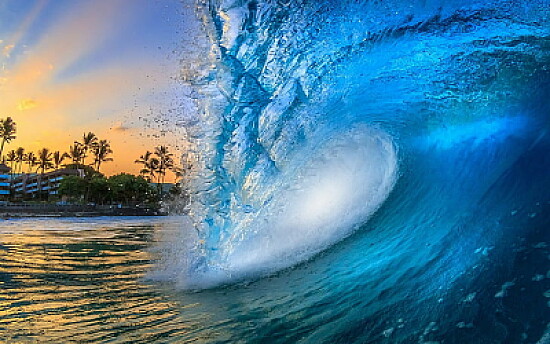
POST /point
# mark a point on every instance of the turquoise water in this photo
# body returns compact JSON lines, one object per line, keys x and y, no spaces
{"x":313,"y":116}
{"x":443,"y":103}
{"x":97,"y":280}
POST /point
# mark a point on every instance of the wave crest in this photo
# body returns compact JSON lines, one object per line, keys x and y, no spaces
{"x":321,"y":196}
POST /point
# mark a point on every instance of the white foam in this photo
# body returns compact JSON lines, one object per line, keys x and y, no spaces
{"x":333,"y":189}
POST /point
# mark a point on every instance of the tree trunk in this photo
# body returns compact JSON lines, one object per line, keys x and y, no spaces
{"x":2,"y":147}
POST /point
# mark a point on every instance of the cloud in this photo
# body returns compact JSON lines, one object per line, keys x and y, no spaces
{"x":7,"y":50}
{"x":26,"y":104}
{"x":73,"y":37}
{"x":80,"y":32}
{"x":119,"y":126}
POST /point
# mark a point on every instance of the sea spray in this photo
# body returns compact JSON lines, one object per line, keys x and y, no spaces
{"x":279,"y":82}
{"x":325,"y":192}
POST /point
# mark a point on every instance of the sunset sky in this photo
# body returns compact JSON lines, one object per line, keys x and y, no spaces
{"x":72,"y":66}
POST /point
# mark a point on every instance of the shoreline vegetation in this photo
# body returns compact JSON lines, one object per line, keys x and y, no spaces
{"x":70,"y":183}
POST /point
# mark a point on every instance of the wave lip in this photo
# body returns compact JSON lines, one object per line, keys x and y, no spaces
{"x":323,"y":194}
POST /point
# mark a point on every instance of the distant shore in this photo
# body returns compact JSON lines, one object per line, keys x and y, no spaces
{"x":53,"y":210}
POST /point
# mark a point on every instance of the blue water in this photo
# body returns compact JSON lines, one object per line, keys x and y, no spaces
{"x":445,"y":184}
{"x":366,"y":172}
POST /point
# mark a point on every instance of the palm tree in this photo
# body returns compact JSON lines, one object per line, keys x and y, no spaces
{"x":7,"y":132}
{"x":89,"y":142}
{"x":44,"y":161}
{"x":76,"y":153}
{"x":57,"y":159}
{"x":154,"y":164}
{"x":147,"y":171}
{"x":157,"y":165}
{"x":11,"y":157}
{"x":20,"y":153}
{"x":101,"y":152}
{"x":31,"y":160}
{"x":165,"y":162}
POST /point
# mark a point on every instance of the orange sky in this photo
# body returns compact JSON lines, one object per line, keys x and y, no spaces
{"x":92,"y":66}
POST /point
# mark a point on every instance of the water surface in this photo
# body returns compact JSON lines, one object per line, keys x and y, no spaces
{"x":95,"y":280}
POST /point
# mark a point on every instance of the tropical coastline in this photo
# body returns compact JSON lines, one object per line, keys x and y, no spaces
{"x":71,"y":184}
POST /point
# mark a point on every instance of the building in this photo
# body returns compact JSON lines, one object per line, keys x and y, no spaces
{"x":31,"y":185}
{"x":164,"y":188}
{"x":4,"y":181}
